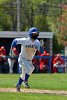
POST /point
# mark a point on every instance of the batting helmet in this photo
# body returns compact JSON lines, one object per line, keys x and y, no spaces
{"x":33,"y":32}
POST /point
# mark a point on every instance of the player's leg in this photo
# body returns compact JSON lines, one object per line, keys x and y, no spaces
{"x":21,"y":79}
{"x":25,"y":84}
{"x":29,"y":69}
{"x":22,"y":76}
{"x":27,"y":75}
{"x":11,"y":63}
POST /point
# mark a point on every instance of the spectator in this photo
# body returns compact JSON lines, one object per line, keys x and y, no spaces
{"x":2,"y":57}
{"x":53,"y":56}
{"x":13,"y":54}
{"x":35,"y":62}
{"x":44,"y":62}
{"x":58,"y":62}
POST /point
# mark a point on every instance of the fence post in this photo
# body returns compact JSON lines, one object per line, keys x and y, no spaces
{"x":49,"y":64}
{"x":65,"y":63}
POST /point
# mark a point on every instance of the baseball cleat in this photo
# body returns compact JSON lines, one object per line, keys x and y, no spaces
{"x":25,"y":84}
{"x":18,"y":88}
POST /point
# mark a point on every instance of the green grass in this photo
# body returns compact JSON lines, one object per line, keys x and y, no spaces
{"x":28,"y":96}
{"x":49,"y":81}
{"x":38,"y":81}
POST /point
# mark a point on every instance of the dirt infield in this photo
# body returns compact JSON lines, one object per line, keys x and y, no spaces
{"x":56,"y":92}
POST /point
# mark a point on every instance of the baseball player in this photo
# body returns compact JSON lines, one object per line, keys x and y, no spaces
{"x":13,"y":53}
{"x":29,"y":46}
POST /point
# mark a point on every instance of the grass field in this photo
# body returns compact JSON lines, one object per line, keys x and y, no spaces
{"x":36,"y":81}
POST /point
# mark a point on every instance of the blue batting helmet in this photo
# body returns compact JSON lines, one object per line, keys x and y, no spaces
{"x":33,"y":30}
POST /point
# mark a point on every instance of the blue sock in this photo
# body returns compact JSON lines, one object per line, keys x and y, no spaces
{"x":19,"y":82}
{"x":26,"y":77}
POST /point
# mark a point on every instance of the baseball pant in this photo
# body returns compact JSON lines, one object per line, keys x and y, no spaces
{"x":27,"y":67}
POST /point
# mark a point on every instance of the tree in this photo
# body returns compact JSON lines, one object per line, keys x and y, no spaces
{"x":8,"y":9}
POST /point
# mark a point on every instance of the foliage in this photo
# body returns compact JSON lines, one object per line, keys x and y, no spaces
{"x":44,"y":14}
{"x":43,"y":24}
{"x":56,"y":46}
{"x":4,"y":22}
{"x":8,"y":9}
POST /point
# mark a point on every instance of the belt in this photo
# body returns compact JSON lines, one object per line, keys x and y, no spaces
{"x":27,"y":59}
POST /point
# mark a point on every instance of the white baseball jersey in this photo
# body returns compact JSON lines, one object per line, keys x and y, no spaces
{"x":28,"y":48}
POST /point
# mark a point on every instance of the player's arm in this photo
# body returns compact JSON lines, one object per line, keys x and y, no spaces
{"x":18,"y":41}
{"x":14,"y":43}
{"x":37,"y":44}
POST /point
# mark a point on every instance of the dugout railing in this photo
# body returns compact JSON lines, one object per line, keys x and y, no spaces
{"x":44,"y":57}
{"x":49,"y":61}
